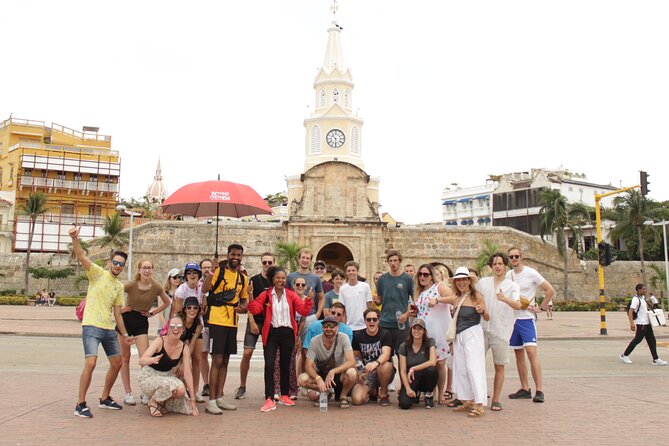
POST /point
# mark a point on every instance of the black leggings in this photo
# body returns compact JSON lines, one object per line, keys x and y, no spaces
{"x":280,"y":339}
{"x":643,"y":331}
{"x":424,"y":381}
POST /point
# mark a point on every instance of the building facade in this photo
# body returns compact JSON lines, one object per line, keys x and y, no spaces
{"x":470,"y":206}
{"x":77,"y":170}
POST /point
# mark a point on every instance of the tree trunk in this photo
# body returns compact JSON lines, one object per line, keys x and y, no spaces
{"x":566,"y":272}
{"x":643,"y":268}
{"x":26,"y":272}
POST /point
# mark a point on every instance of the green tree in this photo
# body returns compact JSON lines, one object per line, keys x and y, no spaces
{"x":277,"y":199}
{"x":630,"y":211}
{"x":83,"y":277}
{"x":114,"y":237}
{"x":555,"y":216}
{"x":51,"y":274}
{"x":489,"y":248}
{"x":35,"y":206}
{"x":288,"y":254}
{"x":659,"y":280}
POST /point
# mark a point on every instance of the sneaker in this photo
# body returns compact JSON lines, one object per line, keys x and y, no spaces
{"x":221,"y":403}
{"x":144,"y":399}
{"x":109,"y":403}
{"x":293,"y":397}
{"x":429,"y":402}
{"x":659,"y":361}
{"x":199,"y":398}
{"x":286,"y":401}
{"x":212,"y":408}
{"x":82,"y":410}
{"x":269,"y":405}
{"x":384,"y":401}
{"x":240,"y":393}
{"x":625,"y":359}
{"x":521,"y":394}
{"x":129,"y":400}
{"x":538,"y":397}
{"x":205,"y":390}
{"x":391,"y":387}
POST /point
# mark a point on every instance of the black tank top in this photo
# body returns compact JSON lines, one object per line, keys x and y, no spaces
{"x":189,"y":332}
{"x":166,"y":363}
{"x":467,"y":318}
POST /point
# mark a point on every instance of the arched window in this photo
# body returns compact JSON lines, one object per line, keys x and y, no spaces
{"x":355,"y":141}
{"x":335,"y":96}
{"x":316,"y":139}
{"x":323,"y":97}
{"x":347,"y":99}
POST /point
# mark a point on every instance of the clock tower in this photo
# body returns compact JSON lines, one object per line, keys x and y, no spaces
{"x":333,"y":131}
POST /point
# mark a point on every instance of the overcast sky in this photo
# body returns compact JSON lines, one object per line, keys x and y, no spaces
{"x":450,"y":91}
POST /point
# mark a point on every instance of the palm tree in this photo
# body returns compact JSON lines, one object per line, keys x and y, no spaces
{"x":555,"y":216}
{"x":631,"y":211}
{"x":34,"y":207}
{"x":659,"y":280}
{"x":287,"y":254}
{"x":114,"y":237}
{"x":488,"y":250}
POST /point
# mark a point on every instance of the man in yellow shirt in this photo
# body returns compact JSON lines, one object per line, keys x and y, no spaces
{"x":105,"y":294}
{"x":228,"y":291}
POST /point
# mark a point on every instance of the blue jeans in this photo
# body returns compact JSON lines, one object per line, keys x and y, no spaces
{"x":92,"y":337}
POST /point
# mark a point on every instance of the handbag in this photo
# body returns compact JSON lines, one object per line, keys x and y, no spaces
{"x":656,"y":317}
{"x":450,"y":334}
{"x":524,"y":301}
{"x":80,"y":309}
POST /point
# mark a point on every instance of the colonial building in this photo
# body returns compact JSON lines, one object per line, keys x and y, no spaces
{"x":471,"y":206}
{"x":76,"y":169}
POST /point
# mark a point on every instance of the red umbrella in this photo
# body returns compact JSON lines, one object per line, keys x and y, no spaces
{"x":216,"y":198}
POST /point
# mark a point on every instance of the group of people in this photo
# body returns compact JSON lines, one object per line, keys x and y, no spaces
{"x":44,"y":298}
{"x":338,"y":339}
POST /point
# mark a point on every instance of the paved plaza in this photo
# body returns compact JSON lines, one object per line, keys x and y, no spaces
{"x":591,"y":397}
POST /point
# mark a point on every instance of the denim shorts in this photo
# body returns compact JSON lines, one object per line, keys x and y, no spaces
{"x":92,"y":337}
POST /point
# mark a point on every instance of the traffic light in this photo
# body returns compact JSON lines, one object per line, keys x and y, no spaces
{"x":644,"y":183}
{"x":605,"y":254}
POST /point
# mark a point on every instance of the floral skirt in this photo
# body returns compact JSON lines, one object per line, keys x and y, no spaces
{"x":160,"y":385}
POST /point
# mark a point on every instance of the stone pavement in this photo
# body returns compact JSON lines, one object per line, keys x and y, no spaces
{"x":590,"y":397}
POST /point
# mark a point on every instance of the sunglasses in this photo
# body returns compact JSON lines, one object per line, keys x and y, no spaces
{"x":514,"y":257}
{"x":176,"y":326}
{"x":192,"y":307}
{"x":300,"y":285}
{"x":372,"y":319}
{"x":147,"y":267}
{"x":267,"y":262}
{"x":319,"y":267}
{"x":424,"y":275}
{"x":117,"y":263}
{"x":177,"y":277}
{"x":329,"y":325}
{"x":337,"y":314}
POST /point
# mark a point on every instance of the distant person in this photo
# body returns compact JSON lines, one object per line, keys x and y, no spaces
{"x":104,"y":297}
{"x":320,"y":268}
{"x":332,"y":296}
{"x":51,"y":300}
{"x":410,"y":269}
{"x":640,"y":325}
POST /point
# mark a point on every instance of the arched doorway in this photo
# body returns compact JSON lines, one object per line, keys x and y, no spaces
{"x":335,"y":254}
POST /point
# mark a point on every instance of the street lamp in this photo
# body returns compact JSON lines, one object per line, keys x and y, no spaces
{"x":663,"y":223}
{"x":121,"y":208}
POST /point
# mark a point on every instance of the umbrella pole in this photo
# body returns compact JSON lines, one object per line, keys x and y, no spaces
{"x":216,"y":248}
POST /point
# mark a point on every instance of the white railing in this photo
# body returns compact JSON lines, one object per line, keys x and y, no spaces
{"x":92,"y":186}
{"x":37,"y":145}
{"x":80,"y":135}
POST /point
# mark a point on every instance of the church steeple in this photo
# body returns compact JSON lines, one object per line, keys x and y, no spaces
{"x":333,"y":131}
{"x":156,"y":192}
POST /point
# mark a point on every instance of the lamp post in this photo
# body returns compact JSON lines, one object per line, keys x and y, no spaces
{"x":663,"y":223}
{"x":121,"y":208}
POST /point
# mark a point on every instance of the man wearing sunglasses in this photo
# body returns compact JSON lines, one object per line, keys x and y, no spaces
{"x":259,"y":283}
{"x":104,"y":297}
{"x":524,"y":337}
{"x":338,"y":311}
{"x":319,"y":269}
{"x":373,"y":346}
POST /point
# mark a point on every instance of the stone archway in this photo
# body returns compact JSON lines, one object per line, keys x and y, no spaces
{"x":335,"y":254}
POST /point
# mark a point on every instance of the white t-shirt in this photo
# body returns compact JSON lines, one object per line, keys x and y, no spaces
{"x":528,"y":281}
{"x":502,"y":316}
{"x":355,"y":300}
{"x":639,"y":305}
{"x":185,"y":291}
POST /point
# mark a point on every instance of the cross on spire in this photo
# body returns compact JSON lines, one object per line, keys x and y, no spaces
{"x":334,"y":9}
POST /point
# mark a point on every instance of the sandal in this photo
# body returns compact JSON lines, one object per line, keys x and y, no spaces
{"x":161,"y":407}
{"x":496,"y":406}
{"x":454,"y":403}
{"x":153,"y":409}
{"x":464,"y":407}
{"x":448,"y":395}
{"x":344,"y":403}
{"x":476,"y":412}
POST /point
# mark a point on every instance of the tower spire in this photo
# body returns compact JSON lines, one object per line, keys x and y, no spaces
{"x":334,"y":9}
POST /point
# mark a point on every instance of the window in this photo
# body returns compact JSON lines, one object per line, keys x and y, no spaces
{"x":60,"y":175}
{"x":347,"y":99}
{"x":95,"y":210}
{"x":335,"y":96}
{"x":77,"y":176}
{"x":323,"y":97}
{"x":27,"y":172}
{"x":67,"y":209}
{"x":93,"y":178}
{"x":42,"y":173}
{"x":315,"y":139}
{"x":355,"y":141}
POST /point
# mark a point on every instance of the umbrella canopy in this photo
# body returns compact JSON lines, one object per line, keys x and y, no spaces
{"x":216,"y":198}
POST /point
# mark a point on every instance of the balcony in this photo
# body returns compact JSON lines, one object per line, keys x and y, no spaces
{"x":55,"y":183}
{"x":86,"y":150}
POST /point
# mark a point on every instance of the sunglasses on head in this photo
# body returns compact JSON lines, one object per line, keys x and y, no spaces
{"x":424,"y":275}
{"x":372,"y":319}
{"x":176,"y":326}
{"x":515,"y":256}
{"x":117,"y":263}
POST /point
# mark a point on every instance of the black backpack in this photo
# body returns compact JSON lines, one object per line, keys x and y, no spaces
{"x":629,"y":304}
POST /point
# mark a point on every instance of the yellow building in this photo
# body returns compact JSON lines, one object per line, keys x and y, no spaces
{"x":76,"y":169}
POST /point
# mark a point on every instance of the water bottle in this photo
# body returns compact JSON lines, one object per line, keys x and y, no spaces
{"x":398,"y":315}
{"x":323,"y":402}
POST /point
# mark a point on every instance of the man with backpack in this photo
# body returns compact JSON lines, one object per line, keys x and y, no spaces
{"x":640,"y":324}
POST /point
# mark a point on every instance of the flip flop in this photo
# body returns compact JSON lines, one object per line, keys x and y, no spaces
{"x":496,"y":406}
{"x":344,"y":404}
{"x":454,"y":403}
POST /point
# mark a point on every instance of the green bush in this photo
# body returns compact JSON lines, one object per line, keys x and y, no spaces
{"x":67,"y":301}
{"x":13,"y":300}
{"x":7,"y":292}
{"x":584,"y":306}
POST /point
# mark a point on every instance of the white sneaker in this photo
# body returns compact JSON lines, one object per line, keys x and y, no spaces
{"x":129,"y":400}
{"x":221,"y":403}
{"x":144,"y":399}
{"x":212,"y":408}
{"x":391,"y":387}
{"x":626,"y":359}
{"x":199,"y":398}
{"x":659,"y":361}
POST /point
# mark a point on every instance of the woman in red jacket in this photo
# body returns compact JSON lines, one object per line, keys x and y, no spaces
{"x":278,"y":331}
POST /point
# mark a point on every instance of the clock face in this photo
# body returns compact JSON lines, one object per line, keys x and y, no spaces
{"x":335,"y":138}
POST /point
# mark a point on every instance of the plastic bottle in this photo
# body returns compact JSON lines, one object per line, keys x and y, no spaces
{"x":398,"y":315}
{"x":323,"y":402}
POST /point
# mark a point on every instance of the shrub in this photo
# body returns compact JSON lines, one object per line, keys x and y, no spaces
{"x":68,"y":301}
{"x":584,"y":306}
{"x":7,"y":292}
{"x":13,"y":300}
